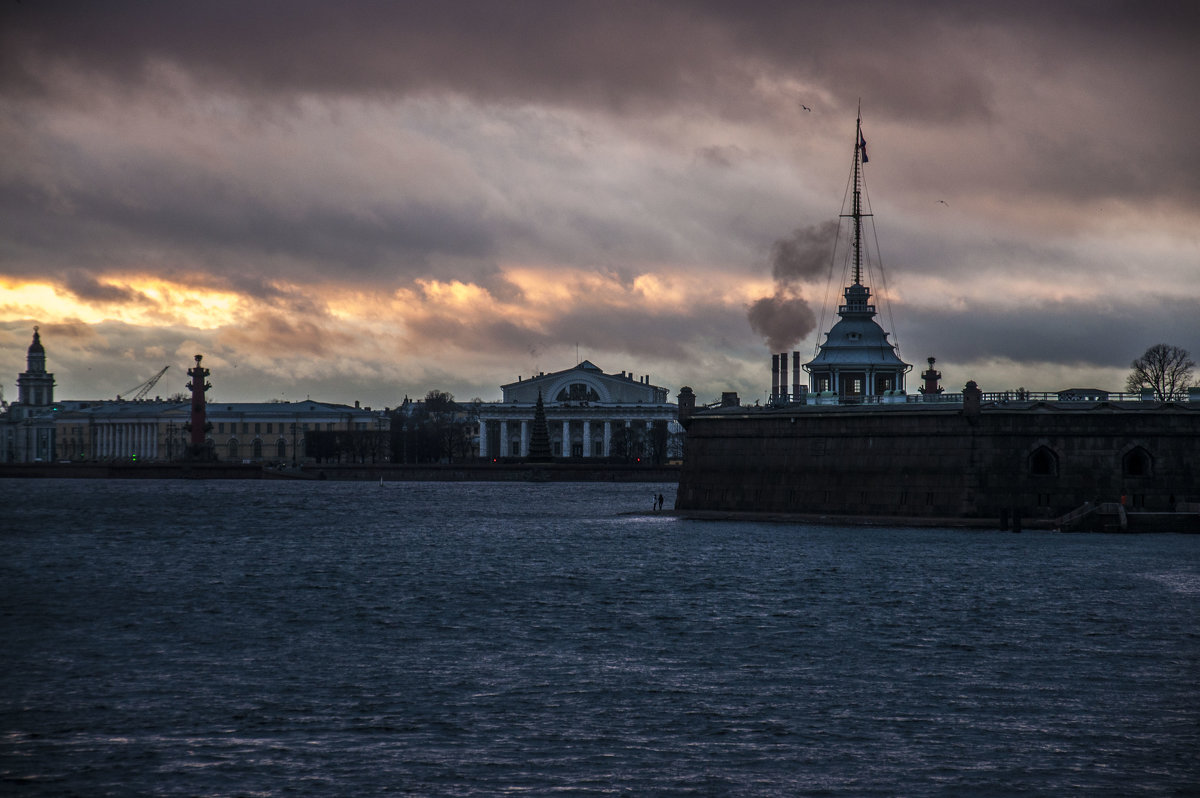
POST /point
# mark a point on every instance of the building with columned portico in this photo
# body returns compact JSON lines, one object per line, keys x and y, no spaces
{"x":589,"y":414}
{"x":40,"y":428}
{"x":239,"y":431}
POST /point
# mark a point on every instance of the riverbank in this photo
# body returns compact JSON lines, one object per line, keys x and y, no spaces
{"x":1185,"y":520}
{"x":374,"y":472}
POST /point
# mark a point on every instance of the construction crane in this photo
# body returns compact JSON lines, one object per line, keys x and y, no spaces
{"x":139,"y":391}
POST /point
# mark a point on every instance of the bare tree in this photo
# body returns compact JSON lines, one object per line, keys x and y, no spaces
{"x":1165,"y":368}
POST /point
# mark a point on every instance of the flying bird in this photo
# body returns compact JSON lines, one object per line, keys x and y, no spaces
{"x":805,"y":107}
{"x":947,"y":204}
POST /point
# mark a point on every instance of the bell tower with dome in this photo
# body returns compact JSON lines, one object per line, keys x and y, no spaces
{"x":35,"y":386}
{"x":27,"y":430}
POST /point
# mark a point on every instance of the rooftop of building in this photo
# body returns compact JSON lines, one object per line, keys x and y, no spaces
{"x":108,"y":408}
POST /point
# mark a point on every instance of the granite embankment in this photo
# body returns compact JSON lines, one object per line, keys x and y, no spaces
{"x":467,"y":472}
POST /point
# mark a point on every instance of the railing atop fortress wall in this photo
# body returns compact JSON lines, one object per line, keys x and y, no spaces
{"x":995,"y":397}
{"x":1047,"y":396}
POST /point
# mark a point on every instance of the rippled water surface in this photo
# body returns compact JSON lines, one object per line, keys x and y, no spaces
{"x":296,"y":639}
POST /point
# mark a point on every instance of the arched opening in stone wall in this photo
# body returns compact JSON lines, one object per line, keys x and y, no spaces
{"x":1043,"y":462}
{"x":1137,"y":463}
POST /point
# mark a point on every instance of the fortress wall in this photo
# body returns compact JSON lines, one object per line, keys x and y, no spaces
{"x":934,"y":463}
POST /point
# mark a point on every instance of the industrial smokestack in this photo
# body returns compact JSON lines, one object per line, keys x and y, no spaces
{"x":795,"y":376}
{"x":774,"y":376}
{"x":783,"y":382}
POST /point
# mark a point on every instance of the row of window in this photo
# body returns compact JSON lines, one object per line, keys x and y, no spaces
{"x":852,"y":384}
{"x":257,"y":449}
{"x":283,"y":428}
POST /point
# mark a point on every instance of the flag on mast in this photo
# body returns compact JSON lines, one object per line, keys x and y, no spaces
{"x":862,"y":146}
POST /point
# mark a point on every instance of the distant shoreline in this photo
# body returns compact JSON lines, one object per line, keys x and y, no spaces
{"x":362,"y":472}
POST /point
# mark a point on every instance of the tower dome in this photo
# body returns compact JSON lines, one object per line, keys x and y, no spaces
{"x":857,"y":359}
{"x":35,"y":358}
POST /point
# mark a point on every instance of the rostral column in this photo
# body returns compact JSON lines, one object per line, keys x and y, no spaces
{"x":198,"y":425}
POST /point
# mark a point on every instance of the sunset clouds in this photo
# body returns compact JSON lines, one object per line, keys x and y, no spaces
{"x":367,"y":200}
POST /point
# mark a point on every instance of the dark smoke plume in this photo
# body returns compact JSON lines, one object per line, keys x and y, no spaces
{"x":784,"y":318}
{"x":804,"y":254}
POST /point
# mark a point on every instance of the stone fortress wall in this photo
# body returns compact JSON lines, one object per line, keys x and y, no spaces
{"x":1035,"y":460}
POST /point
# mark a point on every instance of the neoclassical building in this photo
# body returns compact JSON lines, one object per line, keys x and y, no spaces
{"x":276,"y":430}
{"x":587,"y":411}
{"x":38,"y":428}
{"x":240,"y":431}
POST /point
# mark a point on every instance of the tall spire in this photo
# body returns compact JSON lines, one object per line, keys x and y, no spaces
{"x":857,"y":360}
{"x":860,"y":158}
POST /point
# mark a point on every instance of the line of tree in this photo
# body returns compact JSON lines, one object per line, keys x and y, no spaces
{"x":1165,"y":369}
{"x":638,"y":444}
{"x":435,"y":430}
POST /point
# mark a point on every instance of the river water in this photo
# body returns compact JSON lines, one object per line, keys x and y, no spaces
{"x":463,"y":639}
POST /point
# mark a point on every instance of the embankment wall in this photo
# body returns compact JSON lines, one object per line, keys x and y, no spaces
{"x":482,"y":472}
{"x":1037,"y":461}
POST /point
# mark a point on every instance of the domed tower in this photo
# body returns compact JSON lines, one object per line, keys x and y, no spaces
{"x":35,"y":387}
{"x":857,"y":360}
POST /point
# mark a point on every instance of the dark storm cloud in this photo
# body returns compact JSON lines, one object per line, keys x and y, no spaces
{"x":255,"y":286}
{"x":222,"y":224}
{"x":936,"y":65}
{"x":476,"y":334}
{"x":663,"y":334}
{"x":595,"y":51}
{"x":596,"y":326}
{"x":290,"y":336}
{"x":90,"y":290}
{"x":1067,"y":333}
{"x":490,"y":50}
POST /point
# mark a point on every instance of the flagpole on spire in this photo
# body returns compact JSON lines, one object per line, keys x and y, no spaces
{"x":856,"y":210}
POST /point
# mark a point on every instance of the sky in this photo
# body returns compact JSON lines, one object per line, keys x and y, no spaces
{"x":359,"y":201}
